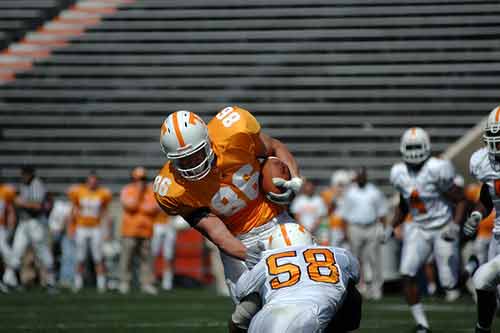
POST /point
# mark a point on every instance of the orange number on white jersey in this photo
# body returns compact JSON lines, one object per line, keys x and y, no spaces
{"x":321,"y":258}
{"x":226,"y":201}
{"x":228,"y":116}
{"x":322,"y":267}
{"x":417,"y":203}
{"x":275,"y":269}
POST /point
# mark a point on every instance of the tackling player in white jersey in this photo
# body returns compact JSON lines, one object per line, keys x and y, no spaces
{"x":302,"y":286}
{"x":485,"y":167}
{"x":437,"y":206}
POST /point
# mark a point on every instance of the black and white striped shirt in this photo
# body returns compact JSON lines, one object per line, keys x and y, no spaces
{"x":34,"y":192}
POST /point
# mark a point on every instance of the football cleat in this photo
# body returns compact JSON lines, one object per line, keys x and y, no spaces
{"x":422,"y":329}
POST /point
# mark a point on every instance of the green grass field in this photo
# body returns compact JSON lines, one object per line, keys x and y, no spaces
{"x":190,"y":310}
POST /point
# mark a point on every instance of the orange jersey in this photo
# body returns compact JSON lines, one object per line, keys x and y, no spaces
{"x":162,"y":218}
{"x":90,"y":204}
{"x":231,"y":189}
{"x":7,"y":196}
{"x":334,"y":220}
{"x":485,"y":228}
{"x":139,"y":211}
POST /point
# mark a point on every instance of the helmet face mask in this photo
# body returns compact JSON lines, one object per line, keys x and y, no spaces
{"x":415,"y":146}
{"x":184,"y":140}
{"x":491,"y":134}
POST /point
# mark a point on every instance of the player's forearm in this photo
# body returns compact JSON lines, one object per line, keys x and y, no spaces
{"x":282,"y":152}
{"x":216,"y":231}
{"x":398,"y":218}
{"x":460,"y":209}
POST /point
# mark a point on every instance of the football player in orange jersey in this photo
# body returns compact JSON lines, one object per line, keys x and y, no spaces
{"x":7,"y":220}
{"x":90,"y":203}
{"x":211,"y":179}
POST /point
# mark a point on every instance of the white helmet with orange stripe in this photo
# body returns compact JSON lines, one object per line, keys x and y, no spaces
{"x":491,"y":134}
{"x":289,"y":234}
{"x":415,"y":145}
{"x":184,"y":139}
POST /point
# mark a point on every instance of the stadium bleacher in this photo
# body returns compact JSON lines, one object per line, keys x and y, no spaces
{"x":19,"y":16}
{"x":338,"y":81}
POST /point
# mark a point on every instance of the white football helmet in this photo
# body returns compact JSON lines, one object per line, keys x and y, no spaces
{"x":340,"y":178}
{"x":491,"y":134}
{"x":415,"y":145}
{"x":289,"y":234}
{"x":184,"y":139}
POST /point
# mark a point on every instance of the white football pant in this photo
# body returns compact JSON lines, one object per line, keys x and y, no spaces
{"x":88,"y":237}
{"x":286,"y":318}
{"x":419,"y":244}
{"x":35,"y":232}
{"x":164,"y":235}
{"x":487,"y":277}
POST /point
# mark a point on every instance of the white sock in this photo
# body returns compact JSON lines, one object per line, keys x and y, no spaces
{"x":78,"y":281}
{"x":51,"y":280}
{"x":101,"y":282}
{"x":167,"y":280}
{"x":418,"y":313}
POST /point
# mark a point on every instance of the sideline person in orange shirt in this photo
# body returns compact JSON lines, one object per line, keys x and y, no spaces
{"x":139,"y":211}
{"x":90,"y":203}
{"x":7,"y":218}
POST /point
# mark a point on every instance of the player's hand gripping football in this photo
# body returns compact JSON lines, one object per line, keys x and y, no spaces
{"x":470,"y":226}
{"x":254,"y":254}
{"x":292,"y":187}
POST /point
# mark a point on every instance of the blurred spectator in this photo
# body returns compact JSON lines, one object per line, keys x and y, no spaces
{"x":7,"y":221}
{"x":32,"y":228}
{"x":363,"y":207}
{"x":163,"y":243}
{"x":333,"y":197}
{"x":139,"y":210}
{"x":308,"y":207}
{"x":90,"y":204}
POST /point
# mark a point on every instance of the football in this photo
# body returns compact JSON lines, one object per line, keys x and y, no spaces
{"x":273,"y":167}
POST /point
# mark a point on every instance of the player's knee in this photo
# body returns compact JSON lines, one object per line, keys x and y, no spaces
{"x":245,"y":310}
{"x":484,"y":277}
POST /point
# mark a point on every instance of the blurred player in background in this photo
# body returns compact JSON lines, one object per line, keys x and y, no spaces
{"x":333,"y":197}
{"x":139,"y":212}
{"x":7,"y":221}
{"x":302,"y":286}
{"x":90,"y":206}
{"x":308,"y":208}
{"x":364,"y":208}
{"x":485,"y":167}
{"x":212,"y":177}
{"x":163,"y":242}
{"x":31,"y":229}
{"x":427,"y":190}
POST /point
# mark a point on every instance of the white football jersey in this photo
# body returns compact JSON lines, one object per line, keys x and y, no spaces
{"x":423,"y":190}
{"x":311,"y":274}
{"x":481,"y":169}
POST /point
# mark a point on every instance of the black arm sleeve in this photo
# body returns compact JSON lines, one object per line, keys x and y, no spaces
{"x":485,"y":199}
{"x":195,"y":217}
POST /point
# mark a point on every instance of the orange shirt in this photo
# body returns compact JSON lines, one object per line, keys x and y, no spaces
{"x":139,"y":211}
{"x":335,"y":221}
{"x":90,"y":204}
{"x":162,"y":218}
{"x":7,"y":196}
{"x":231,"y":189}
{"x":485,"y":228}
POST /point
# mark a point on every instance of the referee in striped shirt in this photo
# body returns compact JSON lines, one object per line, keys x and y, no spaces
{"x":31,"y":229}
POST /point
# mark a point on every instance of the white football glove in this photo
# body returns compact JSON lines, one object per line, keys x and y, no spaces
{"x":254,"y":254}
{"x":451,"y":232}
{"x":470,"y":226}
{"x":292,"y":187}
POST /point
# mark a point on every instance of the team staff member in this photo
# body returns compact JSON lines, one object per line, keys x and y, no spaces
{"x":90,"y":203}
{"x":164,"y":235}
{"x":32,"y":228}
{"x":212,"y":181}
{"x":364,"y":209}
{"x":139,"y":211}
